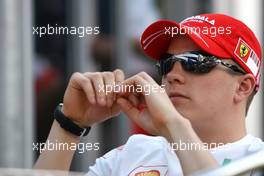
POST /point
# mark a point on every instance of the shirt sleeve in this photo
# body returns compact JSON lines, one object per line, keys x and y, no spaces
{"x":104,"y":165}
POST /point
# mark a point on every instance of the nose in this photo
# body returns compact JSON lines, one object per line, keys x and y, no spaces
{"x":176,"y":75}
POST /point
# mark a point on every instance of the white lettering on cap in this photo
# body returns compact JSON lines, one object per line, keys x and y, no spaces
{"x":200,"y":18}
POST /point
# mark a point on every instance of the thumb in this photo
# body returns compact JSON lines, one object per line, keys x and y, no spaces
{"x":127,"y":107}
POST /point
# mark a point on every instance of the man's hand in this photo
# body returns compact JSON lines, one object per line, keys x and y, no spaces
{"x":85,"y":99}
{"x":151,"y":109}
{"x":85,"y":102}
{"x":159,"y":117}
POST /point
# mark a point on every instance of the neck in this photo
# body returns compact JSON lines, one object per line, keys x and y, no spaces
{"x":224,"y":131}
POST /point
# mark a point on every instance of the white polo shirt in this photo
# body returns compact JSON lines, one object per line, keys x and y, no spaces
{"x":148,"y":155}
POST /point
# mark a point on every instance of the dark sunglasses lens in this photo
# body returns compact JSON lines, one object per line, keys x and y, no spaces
{"x":165,"y":66}
{"x":189,"y":64}
{"x":196,"y":66}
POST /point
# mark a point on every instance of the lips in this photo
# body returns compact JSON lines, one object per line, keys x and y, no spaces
{"x":175,"y":96}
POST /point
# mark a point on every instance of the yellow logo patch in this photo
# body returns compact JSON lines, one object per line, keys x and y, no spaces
{"x":243,"y":50}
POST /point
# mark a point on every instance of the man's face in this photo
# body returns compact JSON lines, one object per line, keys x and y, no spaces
{"x":198,"y":96}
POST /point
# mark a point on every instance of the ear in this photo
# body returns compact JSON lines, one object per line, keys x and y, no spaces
{"x":246,"y":85}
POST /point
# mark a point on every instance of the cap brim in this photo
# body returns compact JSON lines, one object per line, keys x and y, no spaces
{"x":156,"y":39}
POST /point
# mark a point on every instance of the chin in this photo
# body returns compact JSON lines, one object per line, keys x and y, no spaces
{"x":186,"y":111}
{"x":182,"y":109}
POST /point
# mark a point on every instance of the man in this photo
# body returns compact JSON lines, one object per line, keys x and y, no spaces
{"x":210,"y":78}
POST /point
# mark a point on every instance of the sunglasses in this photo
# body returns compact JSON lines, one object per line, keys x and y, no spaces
{"x":194,"y":62}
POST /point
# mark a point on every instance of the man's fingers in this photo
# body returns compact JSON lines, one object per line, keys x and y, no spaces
{"x":133,"y":99}
{"x":109,"y":82}
{"x":80,"y":82}
{"x":102,"y":84}
{"x":148,"y":78}
{"x":135,"y":84}
{"x":136,"y":81}
{"x":98,"y":84}
{"x":88,"y":87}
{"x":127,"y":107}
{"x":119,"y":76}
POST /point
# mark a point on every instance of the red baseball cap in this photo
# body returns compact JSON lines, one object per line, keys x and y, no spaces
{"x":217,"y":34}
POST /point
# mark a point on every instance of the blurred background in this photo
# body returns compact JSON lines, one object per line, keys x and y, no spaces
{"x":34,"y":69}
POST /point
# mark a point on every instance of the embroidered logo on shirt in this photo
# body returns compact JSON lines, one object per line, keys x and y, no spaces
{"x":148,"y":173}
{"x":154,"y":170}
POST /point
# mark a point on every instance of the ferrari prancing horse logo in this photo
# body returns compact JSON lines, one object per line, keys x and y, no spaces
{"x":243,"y":50}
